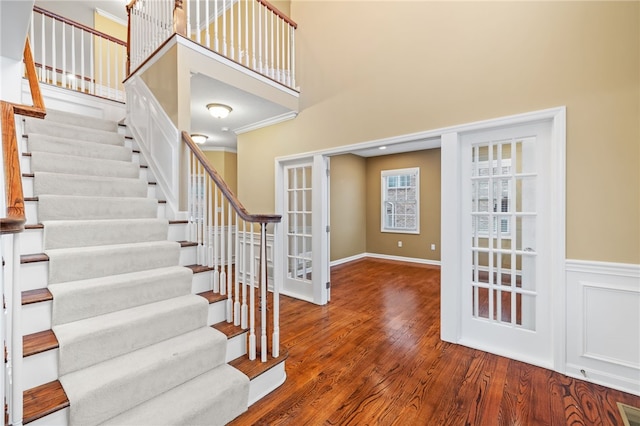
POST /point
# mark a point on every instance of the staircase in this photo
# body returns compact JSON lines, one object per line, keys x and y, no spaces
{"x":117,"y":327}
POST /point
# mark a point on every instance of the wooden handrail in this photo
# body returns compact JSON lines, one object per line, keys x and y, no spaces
{"x":224,"y":188}
{"x":16,"y":218}
{"x":279,"y":13}
{"x":78,"y":25}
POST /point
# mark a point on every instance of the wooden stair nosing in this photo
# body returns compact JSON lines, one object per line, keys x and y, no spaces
{"x":36,"y":296}
{"x":43,"y":400}
{"x":253,"y":369}
{"x":39,"y":342}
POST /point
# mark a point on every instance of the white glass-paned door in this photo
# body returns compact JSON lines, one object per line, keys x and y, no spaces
{"x":506,"y":285}
{"x":298,"y":230}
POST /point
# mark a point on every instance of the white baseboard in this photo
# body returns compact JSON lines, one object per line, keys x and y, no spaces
{"x":384,"y":257}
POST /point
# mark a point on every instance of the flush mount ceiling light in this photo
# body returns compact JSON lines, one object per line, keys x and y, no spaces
{"x":219,"y":110}
{"x":199,"y":138}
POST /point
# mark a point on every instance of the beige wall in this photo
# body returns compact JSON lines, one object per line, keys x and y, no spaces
{"x":162,"y":80}
{"x":348,"y":206}
{"x":414,"y":66}
{"x":226,"y":165}
{"x":413,"y":245}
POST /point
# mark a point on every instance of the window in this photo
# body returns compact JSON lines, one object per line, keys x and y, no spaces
{"x":401,"y":201}
{"x":498,"y":203}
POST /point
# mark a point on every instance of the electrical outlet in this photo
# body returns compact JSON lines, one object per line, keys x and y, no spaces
{"x":399,"y":243}
{"x":433,"y":246}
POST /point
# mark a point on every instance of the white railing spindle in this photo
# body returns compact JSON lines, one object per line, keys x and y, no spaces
{"x":230,"y":262}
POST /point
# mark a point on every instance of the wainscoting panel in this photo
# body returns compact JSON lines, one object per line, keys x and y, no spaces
{"x":603,"y":323}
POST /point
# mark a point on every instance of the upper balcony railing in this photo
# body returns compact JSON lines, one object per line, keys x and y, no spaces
{"x":252,"y":33}
{"x":73,"y":56}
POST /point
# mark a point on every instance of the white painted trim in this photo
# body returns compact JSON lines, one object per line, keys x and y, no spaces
{"x":266,"y":382}
{"x":267,"y":122}
{"x":218,"y":149}
{"x":211,"y":54}
{"x":347,"y":259}
{"x":629,"y":270}
{"x":615,"y":279}
{"x":403,"y":259}
{"x":112,"y":17}
{"x":434,"y":134}
{"x":450,"y":240}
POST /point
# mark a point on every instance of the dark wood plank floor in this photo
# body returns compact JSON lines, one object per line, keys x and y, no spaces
{"x":373,"y":356}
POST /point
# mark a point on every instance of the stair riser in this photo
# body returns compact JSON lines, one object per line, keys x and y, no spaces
{"x":31,"y":210}
{"x":35,"y":275}
{"x":31,"y":240}
{"x":27,"y":188}
{"x":40,"y":368}
{"x":36,"y":317}
{"x":25,"y":167}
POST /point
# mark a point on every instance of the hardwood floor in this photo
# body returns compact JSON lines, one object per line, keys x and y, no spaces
{"x":373,"y":356}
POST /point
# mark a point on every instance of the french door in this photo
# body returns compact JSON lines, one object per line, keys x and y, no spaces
{"x":506,"y":281}
{"x":304,"y":237}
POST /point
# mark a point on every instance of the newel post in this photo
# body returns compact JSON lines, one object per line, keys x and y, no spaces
{"x":179,"y":19}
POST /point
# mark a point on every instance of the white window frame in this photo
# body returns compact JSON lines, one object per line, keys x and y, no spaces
{"x":384,"y":203}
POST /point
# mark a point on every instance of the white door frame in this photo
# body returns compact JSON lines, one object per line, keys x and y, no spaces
{"x":452,"y":236}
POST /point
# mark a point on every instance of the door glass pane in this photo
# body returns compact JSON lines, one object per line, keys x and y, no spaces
{"x":299,"y":223}
{"x":503,"y":218}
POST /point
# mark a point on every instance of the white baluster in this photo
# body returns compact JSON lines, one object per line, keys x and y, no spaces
{"x":232,"y":32}
{"x":275,"y":349}
{"x":198,"y":31}
{"x":64,"y":55}
{"x":207,"y":24}
{"x":188,"y":19}
{"x":82,"y":76}
{"x":246,"y":34}
{"x":252,"y":300}
{"x":260,"y":63}
{"x":216,"y":45}
{"x":92,"y":76}
{"x":43,"y":67}
{"x":216,"y":247}
{"x":229,"y":264}
{"x":54,"y":72}
{"x":236,"y":283}
{"x":292,"y":35}
{"x":199,"y":211}
{"x":224,"y":27}
{"x":253,"y":34}
{"x":272,"y":34}
{"x":244,"y":320}
{"x":223,"y":273}
{"x":210,"y":242}
{"x":263,"y":293}
{"x":73,"y":59}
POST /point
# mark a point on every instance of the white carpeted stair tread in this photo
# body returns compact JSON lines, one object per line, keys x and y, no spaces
{"x":81,"y":120}
{"x":61,"y":130}
{"x":71,"y":207}
{"x":92,"y":340}
{"x":77,"y":165}
{"x":100,"y":186}
{"x":77,"y":300}
{"x":72,"y":264}
{"x":211,"y":399}
{"x":46,"y":143}
{"x":82,"y":233}
{"x":104,"y":390}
